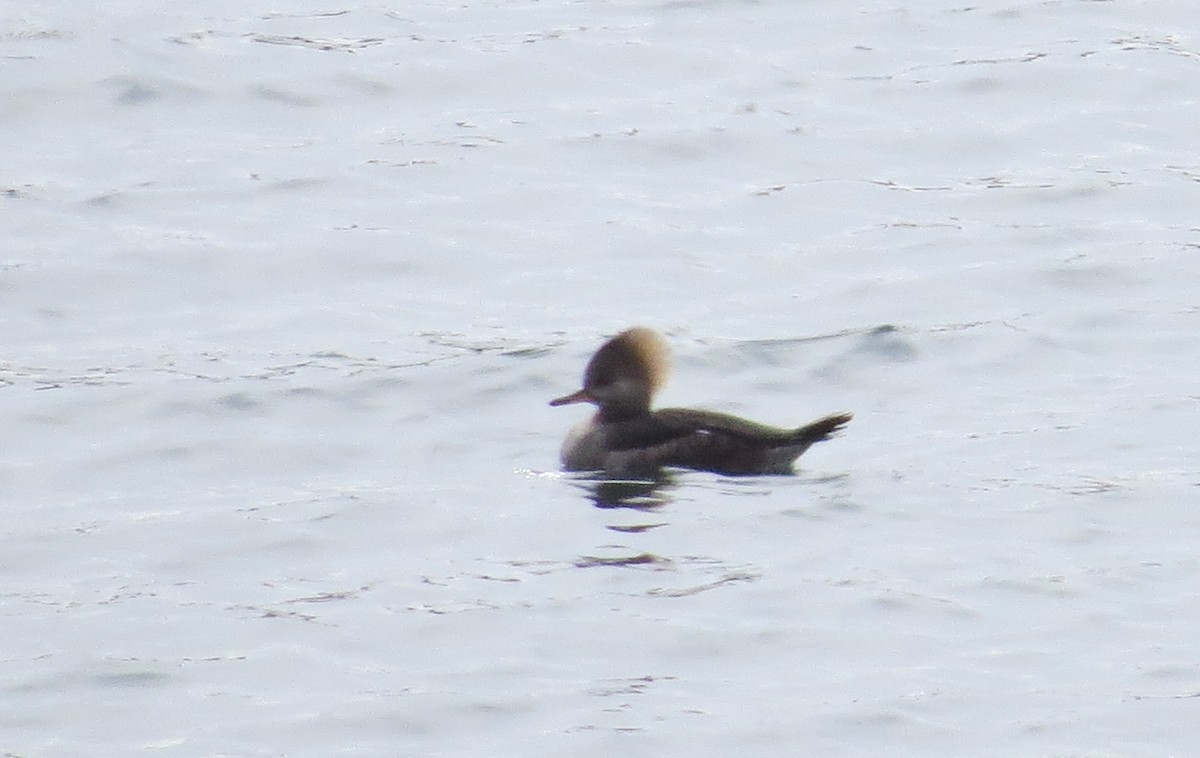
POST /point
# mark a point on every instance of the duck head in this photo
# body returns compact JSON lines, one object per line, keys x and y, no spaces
{"x":624,"y":374}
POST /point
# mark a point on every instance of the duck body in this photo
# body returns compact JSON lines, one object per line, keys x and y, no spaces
{"x":626,"y":438}
{"x":689,"y":438}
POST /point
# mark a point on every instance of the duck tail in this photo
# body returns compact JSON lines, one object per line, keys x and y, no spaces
{"x":821,"y":429}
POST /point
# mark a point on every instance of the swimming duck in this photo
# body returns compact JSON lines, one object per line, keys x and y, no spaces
{"x":627,"y":439}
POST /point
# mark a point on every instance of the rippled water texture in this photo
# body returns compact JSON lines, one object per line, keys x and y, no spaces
{"x":285,"y":289}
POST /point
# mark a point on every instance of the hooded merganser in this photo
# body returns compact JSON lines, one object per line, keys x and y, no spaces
{"x":626,"y":438}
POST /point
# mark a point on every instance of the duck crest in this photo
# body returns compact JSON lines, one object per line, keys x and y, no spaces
{"x":638,"y":354}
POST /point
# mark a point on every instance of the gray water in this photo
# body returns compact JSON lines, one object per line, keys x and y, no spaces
{"x":285,"y":291}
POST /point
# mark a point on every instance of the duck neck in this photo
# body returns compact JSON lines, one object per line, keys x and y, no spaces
{"x":612,"y":413}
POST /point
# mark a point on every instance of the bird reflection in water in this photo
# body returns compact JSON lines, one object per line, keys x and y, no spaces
{"x":643,"y":496}
{"x":638,"y":494}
